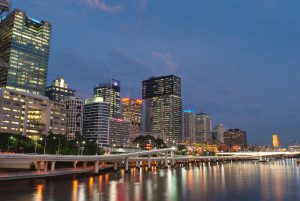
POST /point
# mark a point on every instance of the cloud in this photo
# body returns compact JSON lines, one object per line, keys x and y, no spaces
{"x":167,"y":61}
{"x":103,"y":6}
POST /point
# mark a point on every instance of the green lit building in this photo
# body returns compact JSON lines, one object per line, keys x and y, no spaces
{"x":163,"y":107}
{"x":25,"y":46}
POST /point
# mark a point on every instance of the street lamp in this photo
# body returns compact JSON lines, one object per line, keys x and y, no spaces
{"x":11,"y":138}
{"x":45,"y":144}
{"x":79,"y":147}
{"x":96,"y":147}
{"x":58,"y":148}
{"x":35,"y":147}
{"x":83,"y":143}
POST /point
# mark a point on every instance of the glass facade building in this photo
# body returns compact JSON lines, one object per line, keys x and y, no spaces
{"x":59,"y":90}
{"x":203,"y":130}
{"x":25,"y":46}
{"x":234,"y":137}
{"x":96,"y":120}
{"x":188,"y":126}
{"x":163,"y":107}
{"x":110,"y":92}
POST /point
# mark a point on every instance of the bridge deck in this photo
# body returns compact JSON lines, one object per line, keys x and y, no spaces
{"x":41,"y":174}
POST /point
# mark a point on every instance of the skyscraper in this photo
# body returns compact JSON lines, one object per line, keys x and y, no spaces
{"x":203,"y":128}
{"x":235,"y":137}
{"x":189,"y":126}
{"x":119,"y":131}
{"x":95,"y":120}
{"x":132,"y":111}
{"x":218,"y":132}
{"x":59,"y":90}
{"x":110,"y":92}
{"x":275,"y":140}
{"x":74,"y":119}
{"x":162,"y":98}
{"x":25,"y":46}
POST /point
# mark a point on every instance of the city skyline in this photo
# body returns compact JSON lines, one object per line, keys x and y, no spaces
{"x":238,"y":96}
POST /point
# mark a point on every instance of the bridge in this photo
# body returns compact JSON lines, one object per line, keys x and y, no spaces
{"x":41,"y":161}
{"x":157,"y":157}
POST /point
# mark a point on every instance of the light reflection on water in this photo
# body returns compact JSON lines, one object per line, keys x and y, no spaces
{"x":277,"y":180}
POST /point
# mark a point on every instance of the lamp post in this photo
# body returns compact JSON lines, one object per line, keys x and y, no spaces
{"x":45,"y":144}
{"x":96,"y":147}
{"x":35,"y":145}
{"x":10,"y":139}
{"x":58,"y":148}
{"x":80,"y":148}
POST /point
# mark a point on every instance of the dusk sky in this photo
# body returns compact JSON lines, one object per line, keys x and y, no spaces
{"x":238,"y":59}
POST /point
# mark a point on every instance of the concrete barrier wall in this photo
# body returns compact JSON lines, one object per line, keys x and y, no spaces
{"x":15,"y":164}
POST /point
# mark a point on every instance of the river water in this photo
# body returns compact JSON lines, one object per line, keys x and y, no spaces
{"x":245,"y":181}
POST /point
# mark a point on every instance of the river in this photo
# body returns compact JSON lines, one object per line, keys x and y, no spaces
{"x":245,"y":181}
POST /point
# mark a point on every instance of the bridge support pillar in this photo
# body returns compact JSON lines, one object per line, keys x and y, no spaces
{"x":85,"y":164}
{"x":149,"y":161}
{"x":39,"y":165}
{"x":52,"y":165}
{"x":166,"y":160}
{"x":137,"y":164}
{"x":115,"y":166}
{"x":126,"y":165}
{"x":96,"y":166}
{"x":173,"y":160}
{"x":74,"y":164}
{"x":141,"y":164}
{"x":45,"y":166}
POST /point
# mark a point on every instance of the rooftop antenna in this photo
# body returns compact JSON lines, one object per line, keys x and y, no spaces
{"x":131,"y":92}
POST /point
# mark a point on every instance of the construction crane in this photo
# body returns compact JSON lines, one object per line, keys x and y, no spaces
{"x":4,"y":6}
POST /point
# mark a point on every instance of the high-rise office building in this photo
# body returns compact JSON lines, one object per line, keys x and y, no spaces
{"x":59,"y":90}
{"x":188,"y":126}
{"x":74,"y":118}
{"x":203,"y":128}
{"x":30,"y":114}
{"x":235,"y":137}
{"x":218,"y":133}
{"x":119,"y":131}
{"x":4,"y":6}
{"x":275,"y":140}
{"x":110,"y":92}
{"x":132,"y":111}
{"x":25,"y":46}
{"x":163,"y":106}
{"x":95,"y":120}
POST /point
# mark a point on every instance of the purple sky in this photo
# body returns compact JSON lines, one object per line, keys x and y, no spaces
{"x":239,"y":60}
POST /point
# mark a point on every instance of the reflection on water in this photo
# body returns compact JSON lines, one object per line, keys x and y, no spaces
{"x":277,"y":180}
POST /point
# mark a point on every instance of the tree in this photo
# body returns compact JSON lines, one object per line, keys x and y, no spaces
{"x":142,"y":142}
